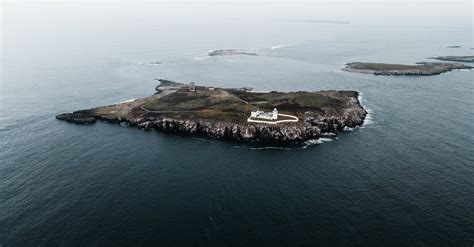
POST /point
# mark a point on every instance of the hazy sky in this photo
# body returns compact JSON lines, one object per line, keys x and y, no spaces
{"x":237,"y":1}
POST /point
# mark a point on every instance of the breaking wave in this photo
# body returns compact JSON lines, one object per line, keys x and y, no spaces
{"x":201,"y":58}
{"x":321,"y":140}
{"x":279,"y":46}
{"x":126,"y":101}
{"x":368,"y":119}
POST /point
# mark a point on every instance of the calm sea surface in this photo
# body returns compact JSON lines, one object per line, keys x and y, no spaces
{"x":406,"y":178}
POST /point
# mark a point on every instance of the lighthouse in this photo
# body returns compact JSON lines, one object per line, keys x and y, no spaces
{"x":275,"y":113}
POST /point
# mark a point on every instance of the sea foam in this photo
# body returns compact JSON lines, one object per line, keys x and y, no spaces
{"x":368,"y":118}
{"x":279,"y":46}
{"x":126,"y":101}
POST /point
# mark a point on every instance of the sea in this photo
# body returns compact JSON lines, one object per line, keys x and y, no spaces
{"x":404,"y":178}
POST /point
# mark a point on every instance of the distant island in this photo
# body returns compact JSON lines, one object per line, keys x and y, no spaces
{"x":230,"y":52}
{"x":464,"y":59}
{"x":233,"y":113}
{"x":422,"y":68}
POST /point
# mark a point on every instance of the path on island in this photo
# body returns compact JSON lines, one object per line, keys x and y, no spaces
{"x":293,"y":120}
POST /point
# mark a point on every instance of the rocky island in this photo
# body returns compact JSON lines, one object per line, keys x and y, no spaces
{"x":230,"y":52}
{"x":422,"y":68}
{"x":464,"y":59}
{"x":230,"y":113}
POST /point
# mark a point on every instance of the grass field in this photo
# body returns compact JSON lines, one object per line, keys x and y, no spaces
{"x":235,"y":105}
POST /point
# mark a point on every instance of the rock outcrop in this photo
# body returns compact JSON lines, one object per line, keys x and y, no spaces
{"x":78,"y":117}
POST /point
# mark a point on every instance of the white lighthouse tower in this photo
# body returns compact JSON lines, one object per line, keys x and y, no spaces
{"x":275,"y":114}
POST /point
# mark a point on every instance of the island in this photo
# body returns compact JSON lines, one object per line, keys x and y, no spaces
{"x":421,"y":68}
{"x":230,"y":52}
{"x":237,"y":114}
{"x":465,"y":59}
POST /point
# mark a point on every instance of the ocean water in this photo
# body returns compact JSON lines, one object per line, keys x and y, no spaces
{"x":406,"y":178}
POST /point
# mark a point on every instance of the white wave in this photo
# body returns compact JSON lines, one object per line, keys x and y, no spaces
{"x":324,"y":139}
{"x":312,"y":142}
{"x":328,"y":134}
{"x":279,"y":46}
{"x":321,"y":140}
{"x":368,"y":118}
{"x":201,"y":58}
{"x":126,"y":101}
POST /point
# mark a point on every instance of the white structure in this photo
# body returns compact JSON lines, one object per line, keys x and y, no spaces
{"x":265,"y":115}
{"x":192,"y":87}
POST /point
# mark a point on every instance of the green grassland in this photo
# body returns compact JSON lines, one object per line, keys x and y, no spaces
{"x":235,"y":105}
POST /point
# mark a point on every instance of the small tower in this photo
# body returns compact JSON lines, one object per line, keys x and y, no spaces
{"x":275,"y":113}
{"x":192,"y":87}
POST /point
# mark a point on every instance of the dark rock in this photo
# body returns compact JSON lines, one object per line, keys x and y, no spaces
{"x":78,"y":117}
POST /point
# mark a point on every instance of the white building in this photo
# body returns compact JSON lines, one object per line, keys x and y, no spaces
{"x":265,"y":115}
{"x":192,"y":87}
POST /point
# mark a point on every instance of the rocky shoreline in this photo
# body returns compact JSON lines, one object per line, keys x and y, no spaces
{"x":264,"y":133}
{"x":310,"y":126}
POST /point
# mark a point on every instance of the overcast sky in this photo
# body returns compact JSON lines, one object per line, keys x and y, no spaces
{"x":237,"y":1}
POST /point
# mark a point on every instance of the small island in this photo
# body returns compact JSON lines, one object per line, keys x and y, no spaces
{"x":230,"y":52}
{"x":464,"y":59}
{"x":422,"y":68}
{"x":237,"y":114}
